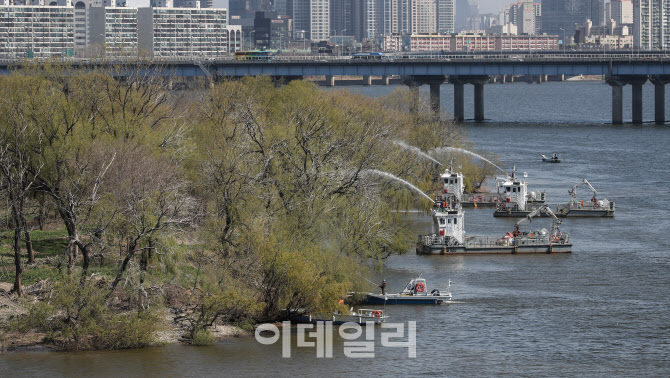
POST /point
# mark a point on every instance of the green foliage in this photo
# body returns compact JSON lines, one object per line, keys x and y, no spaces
{"x":202,"y":337}
{"x":257,"y":200}
{"x":76,"y":317}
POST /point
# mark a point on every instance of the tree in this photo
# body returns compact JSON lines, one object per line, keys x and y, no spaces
{"x":20,"y":163}
{"x":148,"y":191}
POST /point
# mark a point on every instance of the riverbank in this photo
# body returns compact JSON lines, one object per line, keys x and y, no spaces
{"x":172,"y":328}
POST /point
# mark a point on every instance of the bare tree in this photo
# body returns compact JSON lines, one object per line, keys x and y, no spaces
{"x":20,"y":153}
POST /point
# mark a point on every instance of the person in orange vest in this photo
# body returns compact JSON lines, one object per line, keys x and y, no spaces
{"x":383,"y":287}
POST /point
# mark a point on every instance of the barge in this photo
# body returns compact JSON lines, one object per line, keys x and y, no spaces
{"x":448,"y":236}
{"x":362,"y":316}
{"x":516,"y":206}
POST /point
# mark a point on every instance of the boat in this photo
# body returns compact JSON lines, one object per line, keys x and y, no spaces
{"x":449,"y":238}
{"x":580,"y":208}
{"x":416,"y":292}
{"x":360,"y":316}
{"x":553,"y":159}
{"x":502,"y":185}
{"x":515,"y":206}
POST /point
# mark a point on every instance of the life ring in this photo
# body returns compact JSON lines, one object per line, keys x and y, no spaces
{"x":555,"y":239}
{"x":420,"y":287}
{"x":376,"y":314}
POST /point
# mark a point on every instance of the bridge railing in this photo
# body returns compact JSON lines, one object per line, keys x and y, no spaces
{"x":497,"y":57}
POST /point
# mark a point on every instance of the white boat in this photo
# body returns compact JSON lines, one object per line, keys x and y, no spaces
{"x":553,"y":159}
{"x":416,"y":292}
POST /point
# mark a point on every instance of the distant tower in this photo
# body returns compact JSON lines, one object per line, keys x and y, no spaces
{"x":445,"y":16}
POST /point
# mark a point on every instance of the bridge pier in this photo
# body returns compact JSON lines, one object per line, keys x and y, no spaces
{"x":434,"y":81}
{"x":637,"y":103}
{"x":367,"y":80}
{"x":617,"y":83}
{"x":385,"y":79}
{"x":459,"y":104}
{"x":479,"y":101}
{"x":435,"y":96}
{"x":330,"y":80}
{"x":617,"y":104}
{"x":659,"y":97}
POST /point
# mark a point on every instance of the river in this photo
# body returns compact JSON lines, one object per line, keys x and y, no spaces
{"x":602,"y":310}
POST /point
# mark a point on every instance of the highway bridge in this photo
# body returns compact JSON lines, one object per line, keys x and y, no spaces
{"x":620,"y":69}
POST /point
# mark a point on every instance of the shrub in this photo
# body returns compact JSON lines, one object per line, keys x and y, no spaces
{"x":201,"y":337}
{"x":76,"y":317}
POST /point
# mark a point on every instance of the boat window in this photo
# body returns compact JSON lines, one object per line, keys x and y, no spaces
{"x":441,"y":220}
{"x":507,"y":188}
{"x":455,"y":220}
{"x":449,"y":221}
{"x":446,"y":181}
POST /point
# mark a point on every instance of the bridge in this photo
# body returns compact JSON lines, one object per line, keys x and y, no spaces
{"x":620,"y":69}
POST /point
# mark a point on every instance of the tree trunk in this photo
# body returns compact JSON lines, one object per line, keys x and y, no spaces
{"x":87,"y":259}
{"x":17,"y":289}
{"x":29,"y":248}
{"x":42,"y":213}
{"x":72,"y":239}
{"x":29,"y":241}
{"x":70,"y":256}
{"x":129,"y":255}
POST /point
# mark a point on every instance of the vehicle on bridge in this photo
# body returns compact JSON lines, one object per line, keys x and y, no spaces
{"x":253,"y":55}
{"x":369,"y":56}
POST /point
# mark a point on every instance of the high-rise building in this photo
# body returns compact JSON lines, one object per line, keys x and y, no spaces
{"x":525,"y":18}
{"x":564,"y":14}
{"x":651,"y":29}
{"x":424,"y":16}
{"x":622,"y":11}
{"x":89,"y":29}
{"x":319,"y":20}
{"x":341,"y":17}
{"x":597,"y":12}
{"x":271,"y":31}
{"x":445,"y":16}
{"x":461,"y":14}
{"x":311,"y":19}
{"x":25,"y":39}
{"x":299,"y":11}
{"x":397,"y":16}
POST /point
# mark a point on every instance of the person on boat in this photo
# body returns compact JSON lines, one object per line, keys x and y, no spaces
{"x":383,"y":287}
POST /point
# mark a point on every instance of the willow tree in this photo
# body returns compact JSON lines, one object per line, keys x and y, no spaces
{"x":20,"y":162}
{"x":289,"y":172}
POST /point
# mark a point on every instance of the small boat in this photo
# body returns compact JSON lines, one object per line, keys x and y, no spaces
{"x":361,"y":316}
{"x":416,"y":292}
{"x":553,"y":159}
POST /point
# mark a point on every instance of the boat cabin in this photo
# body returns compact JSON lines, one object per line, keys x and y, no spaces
{"x":416,"y":286}
{"x":453,"y":184}
{"x":449,"y":223}
{"x":514,"y":191}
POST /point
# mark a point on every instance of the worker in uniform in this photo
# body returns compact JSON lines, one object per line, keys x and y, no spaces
{"x":383,"y":287}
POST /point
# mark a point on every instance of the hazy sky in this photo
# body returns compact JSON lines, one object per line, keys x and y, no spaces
{"x":485,"y":6}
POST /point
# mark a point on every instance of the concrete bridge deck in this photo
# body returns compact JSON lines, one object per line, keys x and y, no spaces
{"x":620,"y":69}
